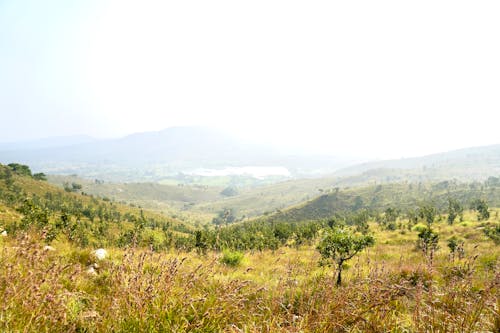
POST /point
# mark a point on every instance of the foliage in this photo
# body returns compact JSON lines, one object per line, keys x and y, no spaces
{"x":73,"y":187}
{"x":40,"y":176}
{"x":341,"y":245}
{"x":155,"y":282}
{"x":454,"y":209}
{"x":145,"y":291}
{"x":481,"y":206}
{"x":225,"y":216}
{"x":231,"y":258}
{"x":452,"y":244}
{"x":20,"y":169}
{"x":428,"y":213}
{"x":84,"y":220}
{"x":493,"y":232}
{"x":428,"y":241}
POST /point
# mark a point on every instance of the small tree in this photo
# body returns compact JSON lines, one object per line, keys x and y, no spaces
{"x":75,"y":187}
{"x":428,"y":242}
{"x":452,"y":244}
{"x":481,"y":206}
{"x":200,"y":242}
{"x":428,"y":213}
{"x":341,"y":245}
{"x":225,"y":216}
{"x":40,"y":176}
{"x":20,"y":169}
{"x":454,"y":209}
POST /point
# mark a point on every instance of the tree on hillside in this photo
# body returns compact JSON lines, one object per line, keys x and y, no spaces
{"x":454,"y":209}
{"x":340,"y":245}
{"x":225,"y":216}
{"x":428,"y":213}
{"x":40,"y":176}
{"x":74,"y":187}
{"x":428,"y":242}
{"x":481,"y":206}
{"x":20,"y":169}
{"x":389,"y":218}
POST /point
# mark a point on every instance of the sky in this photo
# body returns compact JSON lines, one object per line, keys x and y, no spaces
{"x":383,"y":79}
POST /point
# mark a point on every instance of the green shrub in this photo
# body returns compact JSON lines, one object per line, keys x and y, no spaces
{"x":81,"y":256}
{"x":231,"y":258}
{"x":488,"y":261}
{"x":419,"y":227}
{"x":493,"y":233}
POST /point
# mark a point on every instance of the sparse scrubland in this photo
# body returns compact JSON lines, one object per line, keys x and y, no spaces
{"x":423,"y":272}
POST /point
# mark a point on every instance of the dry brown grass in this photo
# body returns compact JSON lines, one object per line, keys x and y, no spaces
{"x":283,"y":291}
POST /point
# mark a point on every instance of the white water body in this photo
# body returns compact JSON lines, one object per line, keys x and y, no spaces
{"x":254,"y":171}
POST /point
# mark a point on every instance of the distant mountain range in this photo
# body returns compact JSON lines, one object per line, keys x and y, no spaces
{"x":476,"y":163}
{"x":177,"y":154}
{"x":44,"y":143}
{"x":156,"y":155}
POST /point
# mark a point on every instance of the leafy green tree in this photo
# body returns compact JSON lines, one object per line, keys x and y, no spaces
{"x":391,"y":214}
{"x":200,"y":242}
{"x":428,"y":213}
{"x":412,"y":216}
{"x":481,"y":206}
{"x":359,"y":220}
{"x":454,"y":209}
{"x":225,"y":216}
{"x":428,"y":242}
{"x":452,"y":244}
{"x":6,"y":174}
{"x":20,"y":169}
{"x":74,"y":187}
{"x":341,"y":245}
{"x":40,"y":176}
{"x":493,"y":233}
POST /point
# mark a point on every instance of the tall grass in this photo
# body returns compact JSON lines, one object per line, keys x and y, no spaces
{"x":282,"y":291}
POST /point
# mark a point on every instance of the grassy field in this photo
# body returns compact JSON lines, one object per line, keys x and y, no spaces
{"x":391,"y":287}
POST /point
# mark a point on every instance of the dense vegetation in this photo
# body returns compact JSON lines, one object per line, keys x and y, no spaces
{"x":393,"y":286}
{"x":404,"y":197}
{"x":88,"y":220}
{"x":82,"y":219}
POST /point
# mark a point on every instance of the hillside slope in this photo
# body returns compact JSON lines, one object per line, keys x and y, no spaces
{"x":27,"y":203}
{"x":403,"y":196}
{"x":475,"y":163}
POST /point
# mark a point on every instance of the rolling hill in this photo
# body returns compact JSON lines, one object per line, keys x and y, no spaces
{"x":476,"y":163}
{"x":404,"y":196}
{"x":27,"y":203}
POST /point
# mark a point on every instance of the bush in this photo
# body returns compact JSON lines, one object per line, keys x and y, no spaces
{"x":231,"y":258}
{"x":493,"y":233}
{"x":419,"y":227}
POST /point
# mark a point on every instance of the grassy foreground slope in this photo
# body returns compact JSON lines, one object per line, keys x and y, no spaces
{"x":392,"y":287}
{"x":146,"y":284}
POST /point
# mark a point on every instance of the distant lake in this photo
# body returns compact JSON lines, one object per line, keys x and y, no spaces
{"x":254,"y":171}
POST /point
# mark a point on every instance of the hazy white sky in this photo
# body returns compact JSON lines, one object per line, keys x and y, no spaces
{"x":374,"y":78}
